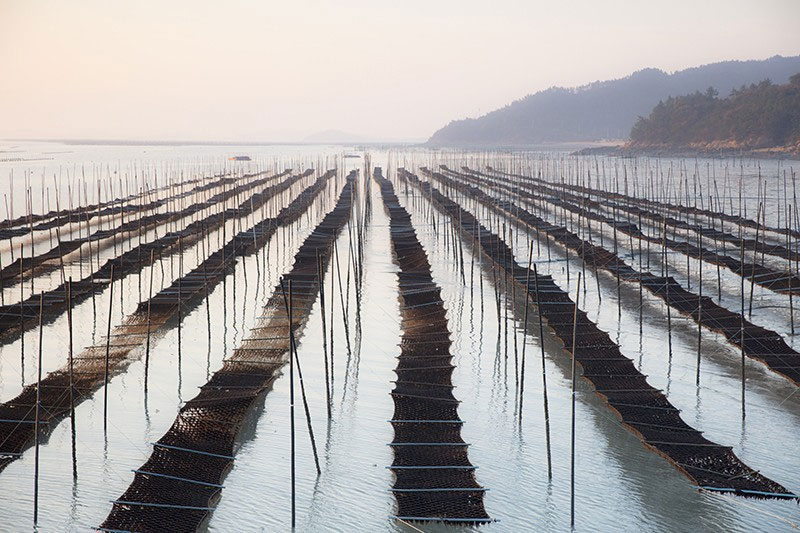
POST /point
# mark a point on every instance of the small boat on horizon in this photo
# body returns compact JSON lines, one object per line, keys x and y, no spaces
{"x":239,"y":158}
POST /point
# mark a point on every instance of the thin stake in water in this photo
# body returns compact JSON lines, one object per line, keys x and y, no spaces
{"x":525,"y":331}
{"x":71,"y":379}
{"x":572,"y":430}
{"x":36,"y":420}
{"x":149,"y":300}
{"x":108,"y":348}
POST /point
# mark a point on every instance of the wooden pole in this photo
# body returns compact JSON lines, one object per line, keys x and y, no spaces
{"x":341,"y":297}
{"x":205,"y":286}
{"x":716,"y":244}
{"x":21,"y":313}
{"x":666,"y":290}
{"x":794,"y":223}
{"x":616,"y":267}
{"x":525,"y":330}
{"x":108,"y":349}
{"x":71,"y":379}
{"x":789,"y":264}
{"x":505,"y":300}
{"x":37,"y":420}
{"x":293,"y":355}
{"x":641,"y":296}
{"x":149,"y":300}
{"x":544,"y":376}
{"x":755,"y":258}
{"x":33,"y":249}
{"x":291,"y":397}
{"x":91,"y":263}
{"x":572,"y":430}
{"x":333,"y":307}
{"x":513,"y":302}
{"x":699,"y":304}
{"x":741,"y":323}
{"x":180,"y":301}
{"x":321,"y":280}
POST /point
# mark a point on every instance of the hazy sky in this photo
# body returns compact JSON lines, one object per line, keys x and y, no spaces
{"x":269,"y":70}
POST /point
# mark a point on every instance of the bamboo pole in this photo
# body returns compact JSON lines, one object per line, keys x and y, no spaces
{"x":341,"y":297}
{"x":755,"y":258}
{"x":333,"y":308}
{"x":205,"y":286}
{"x":699,"y":304}
{"x":741,"y":324}
{"x":149,"y":301}
{"x":666,"y":287}
{"x":291,"y":399}
{"x":21,"y":313}
{"x":180,"y":301}
{"x":33,"y":249}
{"x":789,"y":265}
{"x":525,"y":330}
{"x":544,"y":376}
{"x":716,"y":242}
{"x":37,"y":420}
{"x":641,"y":295}
{"x":71,"y":380}
{"x":108,"y":348}
{"x":572,"y":427}
{"x":321,"y":279}
{"x":293,"y":355}
{"x":505,"y":301}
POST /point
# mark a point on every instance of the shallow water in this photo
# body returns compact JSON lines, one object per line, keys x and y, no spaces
{"x":620,"y":485}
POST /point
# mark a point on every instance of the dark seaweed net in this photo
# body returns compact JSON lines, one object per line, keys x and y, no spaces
{"x":210,"y":421}
{"x":434,"y":479}
{"x":23,"y":315}
{"x":757,"y":342}
{"x":17,"y":433}
{"x":643,"y":409}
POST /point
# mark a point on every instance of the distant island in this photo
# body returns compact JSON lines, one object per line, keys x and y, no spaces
{"x":762,"y":117}
{"x":604,"y":109}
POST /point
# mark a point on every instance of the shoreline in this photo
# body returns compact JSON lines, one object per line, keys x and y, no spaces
{"x":689,"y":152}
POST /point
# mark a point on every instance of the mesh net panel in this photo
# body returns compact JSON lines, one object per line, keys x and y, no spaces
{"x":433,"y":476}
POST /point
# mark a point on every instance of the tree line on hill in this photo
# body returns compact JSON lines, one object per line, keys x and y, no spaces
{"x":761,"y":115}
{"x":603,"y":109}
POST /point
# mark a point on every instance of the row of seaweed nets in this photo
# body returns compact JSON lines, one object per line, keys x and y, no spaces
{"x":16,"y":317}
{"x":756,"y":272}
{"x":23,"y":224}
{"x":52,"y":259}
{"x":757,"y":342}
{"x":658,"y":212}
{"x":434,"y":479}
{"x":114,"y":353}
{"x":643,"y":409}
{"x":739,"y":219}
{"x":176,"y":489}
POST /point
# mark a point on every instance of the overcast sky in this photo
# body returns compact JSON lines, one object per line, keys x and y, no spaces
{"x":264,"y":70}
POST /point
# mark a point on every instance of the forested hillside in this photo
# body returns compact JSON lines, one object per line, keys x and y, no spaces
{"x":758,"y":116}
{"x":607,"y":109}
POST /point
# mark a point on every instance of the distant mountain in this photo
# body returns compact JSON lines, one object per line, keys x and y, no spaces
{"x":333,"y":137}
{"x":763,"y":116}
{"x":604,"y":109}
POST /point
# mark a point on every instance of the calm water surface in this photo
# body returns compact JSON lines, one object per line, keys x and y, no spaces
{"x":620,"y":484}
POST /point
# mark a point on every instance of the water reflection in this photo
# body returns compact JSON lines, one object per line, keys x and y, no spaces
{"x":621,"y":485}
